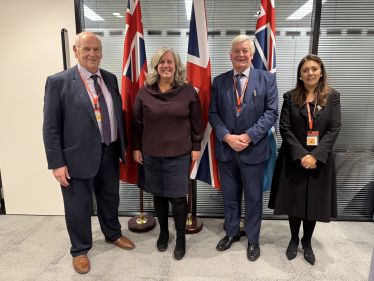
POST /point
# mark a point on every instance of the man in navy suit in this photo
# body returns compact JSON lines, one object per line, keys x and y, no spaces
{"x":84,"y":139}
{"x":243,"y":107}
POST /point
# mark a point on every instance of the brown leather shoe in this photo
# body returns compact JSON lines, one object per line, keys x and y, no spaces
{"x":123,"y":243}
{"x":81,"y":264}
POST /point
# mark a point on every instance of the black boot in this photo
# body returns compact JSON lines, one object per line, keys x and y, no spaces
{"x":163,"y":240}
{"x":180,"y":247}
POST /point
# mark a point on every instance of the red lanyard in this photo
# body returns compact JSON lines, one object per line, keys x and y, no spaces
{"x":240,"y":100}
{"x":310,"y":118}
{"x":89,"y":90}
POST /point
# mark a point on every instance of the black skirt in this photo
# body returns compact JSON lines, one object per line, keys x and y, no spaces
{"x":165,"y":176}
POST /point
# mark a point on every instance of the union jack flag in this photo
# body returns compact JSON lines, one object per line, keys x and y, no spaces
{"x":264,"y":58}
{"x":133,"y":77}
{"x":199,"y":75}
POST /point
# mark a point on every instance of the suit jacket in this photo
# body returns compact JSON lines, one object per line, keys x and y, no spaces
{"x":70,"y":130}
{"x":258,"y":114}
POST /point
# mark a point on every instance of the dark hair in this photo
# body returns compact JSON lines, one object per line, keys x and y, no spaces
{"x":322,"y":90}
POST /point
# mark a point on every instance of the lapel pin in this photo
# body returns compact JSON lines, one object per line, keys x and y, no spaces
{"x":319,"y":107}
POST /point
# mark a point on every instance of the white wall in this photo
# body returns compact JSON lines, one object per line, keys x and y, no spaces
{"x":30,"y":50}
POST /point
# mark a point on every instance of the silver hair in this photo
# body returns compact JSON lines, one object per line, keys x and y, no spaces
{"x":77,"y":41}
{"x":180,"y":71}
{"x":241,"y":38}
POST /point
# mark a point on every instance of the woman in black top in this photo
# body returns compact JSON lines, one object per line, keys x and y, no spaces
{"x":166,"y":133}
{"x":304,"y":179}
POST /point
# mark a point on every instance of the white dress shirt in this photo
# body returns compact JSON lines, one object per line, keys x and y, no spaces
{"x":108,"y":98}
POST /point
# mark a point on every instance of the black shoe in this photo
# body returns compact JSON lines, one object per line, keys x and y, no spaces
{"x":308,"y":252}
{"x":253,"y":251}
{"x":180,"y":247}
{"x":163,"y":240}
{"x":226,"y":242}
{"x":291,"y":251}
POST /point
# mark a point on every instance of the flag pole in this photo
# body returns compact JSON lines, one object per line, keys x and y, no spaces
{"x":133,"y":77}
{"x":194,"y":224}
{"x":141,"y":222}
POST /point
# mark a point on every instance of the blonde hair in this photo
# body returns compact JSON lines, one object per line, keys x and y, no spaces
{"x":180,"y":71}
{"x":241,"y":38}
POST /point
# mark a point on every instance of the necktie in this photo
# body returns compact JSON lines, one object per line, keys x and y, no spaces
{"x":238,"y":84}
{"x":104,"y":113}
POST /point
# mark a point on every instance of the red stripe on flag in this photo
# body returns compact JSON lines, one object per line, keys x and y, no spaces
{"x":217,"y":184}
{"x":130,"y":88}
{"x":200,"y":78}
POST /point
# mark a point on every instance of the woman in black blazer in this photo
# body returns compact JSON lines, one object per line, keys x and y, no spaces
{"x":304,"y":179}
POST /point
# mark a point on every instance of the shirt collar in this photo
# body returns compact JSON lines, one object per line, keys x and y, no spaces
{"x":245,"y":72}
{"x":86,"y":74}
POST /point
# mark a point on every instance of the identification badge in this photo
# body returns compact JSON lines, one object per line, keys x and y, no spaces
{"x":98,"y":114}
{"x":312,"y":138}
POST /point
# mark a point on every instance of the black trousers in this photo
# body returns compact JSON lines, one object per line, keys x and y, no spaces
{"x":78,"y":203}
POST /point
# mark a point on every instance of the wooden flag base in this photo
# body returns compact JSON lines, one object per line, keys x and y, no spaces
{"x":242,"y":231}
{"x":194,"y":224}
{"x":142,"y":223}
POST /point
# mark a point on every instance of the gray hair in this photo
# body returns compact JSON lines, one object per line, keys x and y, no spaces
{"x":77,"y":41}
{"x":180,"y":71}
{"x":241,"y":38}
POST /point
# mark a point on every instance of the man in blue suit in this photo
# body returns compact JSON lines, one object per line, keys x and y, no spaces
{"x":243,"y":108}
{"x":84,"y":138}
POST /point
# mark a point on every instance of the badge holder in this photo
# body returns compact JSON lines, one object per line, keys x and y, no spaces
{"x":312,"y":138}
{"x":98,"y":114}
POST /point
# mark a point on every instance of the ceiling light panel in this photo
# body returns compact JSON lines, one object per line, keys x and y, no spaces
{"x":303,"y":10}
{"x":88,"y":13}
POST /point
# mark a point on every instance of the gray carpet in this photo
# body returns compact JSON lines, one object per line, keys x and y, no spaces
{"x":371,"y":274}
{"x":37,"y":248}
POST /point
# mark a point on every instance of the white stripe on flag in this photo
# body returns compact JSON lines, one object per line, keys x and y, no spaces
{"x":274,"y":134}
{"x":210,"y":158}
{"x":206,"y":138}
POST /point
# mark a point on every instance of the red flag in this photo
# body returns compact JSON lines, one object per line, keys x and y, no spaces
{"x":133,"y":77}
{"x":199,"y":75}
